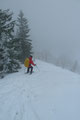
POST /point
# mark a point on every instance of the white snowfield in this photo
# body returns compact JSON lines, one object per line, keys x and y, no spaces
{"x":49,"y":94}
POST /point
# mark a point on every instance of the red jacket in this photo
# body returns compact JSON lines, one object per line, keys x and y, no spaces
{"x":31,"y":62}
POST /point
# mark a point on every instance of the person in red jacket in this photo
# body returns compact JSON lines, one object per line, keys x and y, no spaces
{"x":30,"y":65}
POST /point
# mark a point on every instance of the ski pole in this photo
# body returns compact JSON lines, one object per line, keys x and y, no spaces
{"x":37,"y":68}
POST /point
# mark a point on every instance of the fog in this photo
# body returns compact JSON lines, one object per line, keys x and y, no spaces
{"x":54,"y":24}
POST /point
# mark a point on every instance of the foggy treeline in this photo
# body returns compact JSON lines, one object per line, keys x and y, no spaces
{"x":62,"y":61}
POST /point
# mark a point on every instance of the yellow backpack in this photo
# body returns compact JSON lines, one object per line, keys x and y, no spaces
{"x":26,"y":62}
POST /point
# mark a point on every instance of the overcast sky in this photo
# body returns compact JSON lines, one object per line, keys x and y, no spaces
{"x":54,"y":24}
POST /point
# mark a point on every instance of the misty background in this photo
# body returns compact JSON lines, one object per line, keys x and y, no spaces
{"x":55,"y":28}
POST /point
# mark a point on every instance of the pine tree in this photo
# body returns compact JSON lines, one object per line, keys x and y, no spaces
{"x":25,"y":46}
{"x":8,"y":62}
{"x":3,"y":32}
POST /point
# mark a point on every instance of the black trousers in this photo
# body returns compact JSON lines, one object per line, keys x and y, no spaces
{"x":30,"y":69}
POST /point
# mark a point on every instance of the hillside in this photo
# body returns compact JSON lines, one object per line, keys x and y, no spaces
{"x":50,"y":93}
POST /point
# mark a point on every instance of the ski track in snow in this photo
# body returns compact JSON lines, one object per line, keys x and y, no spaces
{"x":40,"y":96}
{"x":15,"y":99}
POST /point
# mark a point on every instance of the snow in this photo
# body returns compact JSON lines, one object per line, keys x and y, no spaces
{"x":50,"y":93}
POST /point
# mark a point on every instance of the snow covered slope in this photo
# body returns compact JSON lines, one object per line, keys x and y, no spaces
{"x":49,"y":94}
